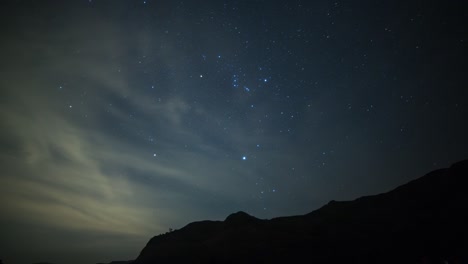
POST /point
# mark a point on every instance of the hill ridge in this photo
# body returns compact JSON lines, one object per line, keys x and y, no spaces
{"x":422,"y":219}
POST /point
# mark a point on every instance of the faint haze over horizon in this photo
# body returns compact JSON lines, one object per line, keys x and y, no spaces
{"x":122,"y":119}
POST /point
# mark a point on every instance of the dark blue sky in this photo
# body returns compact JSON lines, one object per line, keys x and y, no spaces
{"x":122,"y":119}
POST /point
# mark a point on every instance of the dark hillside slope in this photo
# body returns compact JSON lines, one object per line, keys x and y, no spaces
{"x":422,"y":221}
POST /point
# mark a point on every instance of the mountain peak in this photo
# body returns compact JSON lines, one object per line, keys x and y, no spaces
{"x":239,"y":217}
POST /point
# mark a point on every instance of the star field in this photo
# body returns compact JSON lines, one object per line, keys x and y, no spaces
{"x":122,"y":119}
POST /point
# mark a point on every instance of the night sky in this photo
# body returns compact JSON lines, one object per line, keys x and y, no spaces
{"x":122,"y":119}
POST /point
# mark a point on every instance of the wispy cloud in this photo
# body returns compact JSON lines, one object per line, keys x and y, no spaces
{"x":66,"y":170}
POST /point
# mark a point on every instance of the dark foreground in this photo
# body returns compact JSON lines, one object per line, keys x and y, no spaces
{"x":422,"y":221}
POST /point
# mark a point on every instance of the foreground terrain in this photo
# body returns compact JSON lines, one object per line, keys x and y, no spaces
{"x":422,"y":221}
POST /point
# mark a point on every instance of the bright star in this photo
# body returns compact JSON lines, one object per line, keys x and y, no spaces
{"x":244,"y":158}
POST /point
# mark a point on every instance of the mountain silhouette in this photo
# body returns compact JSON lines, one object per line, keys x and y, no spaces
{"x":423,"y":221}
{"x":119,"y":262}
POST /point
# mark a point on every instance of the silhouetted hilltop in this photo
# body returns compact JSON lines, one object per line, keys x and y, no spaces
{"x":119,"y":262}
{"x":422,"y":221}
{"x":240,"y":218}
